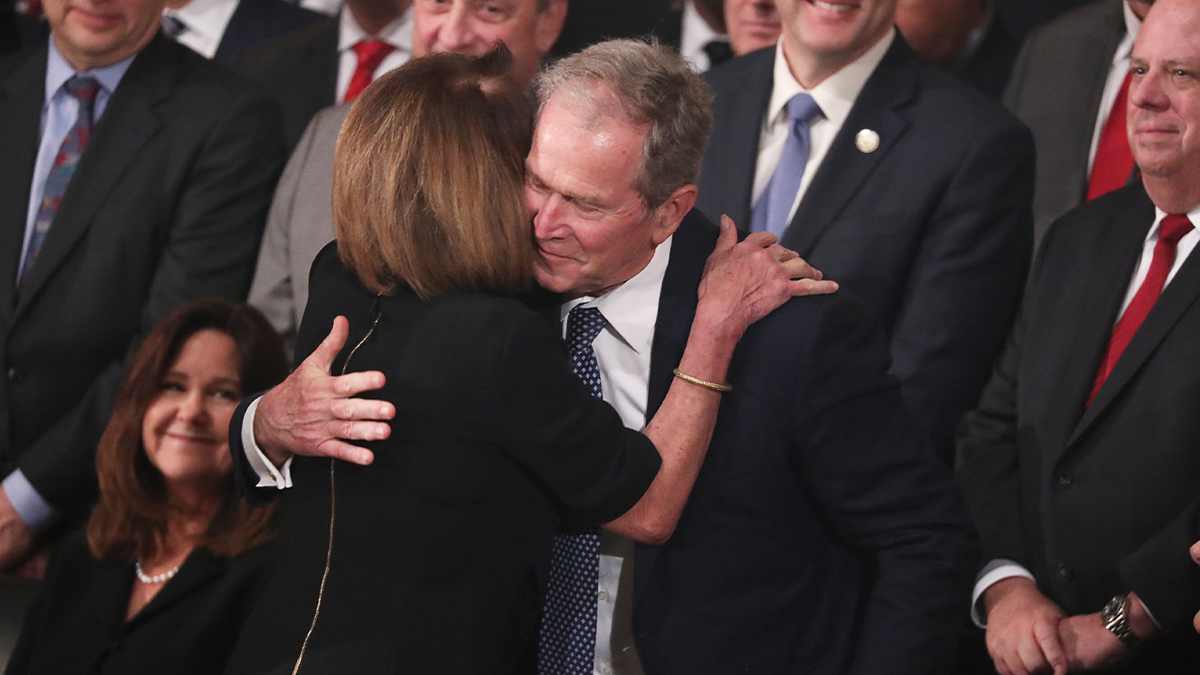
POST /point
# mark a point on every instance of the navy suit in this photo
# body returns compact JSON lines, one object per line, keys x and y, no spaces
{"x":822,"y":534}
{"x":932,"y":230}
{"x":257,"y":21}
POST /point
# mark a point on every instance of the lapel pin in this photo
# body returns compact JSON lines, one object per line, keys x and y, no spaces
{"x":866,"y":141}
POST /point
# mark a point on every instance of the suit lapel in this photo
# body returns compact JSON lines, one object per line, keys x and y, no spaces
{"x":196,"y":571}
{"x":22,"y":94}
{"x":1084,"y":338}
{"x":727,"y":182}
{"x":246,"y":26}
{"x":845,"y":167}
{"x":692,"y":243}
{"x":128,"y":122}
{"x":1176,"y":299}
{"x":112,"y":587}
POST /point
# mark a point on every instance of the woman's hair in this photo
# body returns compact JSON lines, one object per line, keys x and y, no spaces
{"x":428,"y":178}
{"x":130,"y":521}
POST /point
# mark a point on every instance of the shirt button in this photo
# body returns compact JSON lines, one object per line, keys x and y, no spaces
{"x":602,"y":596}
{"x":1063,"y":480}
{"x":1066,"y":573}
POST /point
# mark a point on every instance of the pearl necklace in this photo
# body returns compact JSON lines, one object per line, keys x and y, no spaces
{"x":155,"y":579}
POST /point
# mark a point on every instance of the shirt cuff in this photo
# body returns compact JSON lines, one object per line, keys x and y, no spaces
{"x":268,"y":474}
{"x":997,"y":570}
{"x":35,"y":512}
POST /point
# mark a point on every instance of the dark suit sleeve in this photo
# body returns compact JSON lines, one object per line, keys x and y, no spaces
{"x":218,"y":217}
{"x":884,"y":493}
{"x":966,"y":283}
{"x":575,"y":445}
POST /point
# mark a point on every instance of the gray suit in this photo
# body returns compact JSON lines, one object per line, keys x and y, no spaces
{"x":299,"y":225}
{"x":1056,"y":87}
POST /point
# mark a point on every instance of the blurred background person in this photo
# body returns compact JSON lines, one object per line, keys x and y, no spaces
{"x":965,"y":37}
{"x":1070,"y":84}
{"x":331,"y":61}
{"x":702,"y":40}
{"x":301,"y":218}
{"x":752,"y":25}
{"x":171,"y":560}
{"x":223,"y":29}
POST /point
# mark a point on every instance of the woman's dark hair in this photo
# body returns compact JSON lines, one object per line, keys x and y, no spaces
{"x":130,"y":521}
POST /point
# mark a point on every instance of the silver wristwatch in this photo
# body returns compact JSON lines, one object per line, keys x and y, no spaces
{"x":1115,"y":616}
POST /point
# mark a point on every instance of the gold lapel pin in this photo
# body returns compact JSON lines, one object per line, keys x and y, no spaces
{"x":866,"y":141}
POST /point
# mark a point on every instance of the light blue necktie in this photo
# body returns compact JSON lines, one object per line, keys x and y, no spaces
{"x":771,"y":211}
{"x":568,"y":641}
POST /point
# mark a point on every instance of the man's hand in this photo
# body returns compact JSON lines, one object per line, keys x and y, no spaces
{"x":1022,"y":629}
{"x":1090,"y":646}
{"x":744,"y":281}
{"x":311,"y":412}
{"x":1196,"y":556}
{"x":16,"y":539}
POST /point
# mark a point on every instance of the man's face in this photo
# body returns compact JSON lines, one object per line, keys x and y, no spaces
{"x":96,"y":33}
{"x":751,"y":24}
{"x":473,"y":27}
{"x":1164,"y":95}
{"x":592,"y":227}
{"x":833,"y":32}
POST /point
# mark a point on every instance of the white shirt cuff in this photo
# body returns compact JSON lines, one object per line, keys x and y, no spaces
{"x":34,"y":511}
{"x":996,"y":570}
{"x":268,"y":475}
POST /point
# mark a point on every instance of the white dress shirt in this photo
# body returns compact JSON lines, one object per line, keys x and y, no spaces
{"x":835,"y":96}
{"x":205,"y":22}
{"x":695,"y":33}
{"x":623,"y":358}
{"x":398,"y":34}
{"x":1116,"y":75}
{"x":1000,"y":569}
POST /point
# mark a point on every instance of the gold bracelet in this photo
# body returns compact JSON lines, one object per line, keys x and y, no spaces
{"x":720,"y":388}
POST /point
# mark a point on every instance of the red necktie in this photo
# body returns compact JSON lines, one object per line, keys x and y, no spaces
{"x":370,"y":54}
{"x":1171,"y":231}
{"x":1114,"y":161}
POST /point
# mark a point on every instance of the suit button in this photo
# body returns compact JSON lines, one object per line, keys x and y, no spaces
{"x":1066,"y":573}
{"x":1063,"y":480}
{"x":13,"y":374}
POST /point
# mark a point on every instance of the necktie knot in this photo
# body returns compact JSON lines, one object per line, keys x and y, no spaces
{"x":1173,"y":228}
{"x":718,"y":52}
{"x":583,"y":325}
{"x":83,"y":88}
{"x":371,"y":53}
{"x":802,"y":109}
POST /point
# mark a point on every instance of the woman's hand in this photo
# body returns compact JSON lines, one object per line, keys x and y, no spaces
{"x":745,"y":281}
{"x":313,"y":414}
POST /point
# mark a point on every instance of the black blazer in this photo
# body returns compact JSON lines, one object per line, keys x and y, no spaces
{"x":257,"y":21}
{"x":822,"y":534}
{"x":167,"y":205}
{"x":1102,"y":499}
{"x":931,"y":230}
{"x":299,"y":70}
{"x":435,"y":543}
{"x":77,"y":625}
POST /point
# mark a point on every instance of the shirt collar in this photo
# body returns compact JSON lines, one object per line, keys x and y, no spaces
{"x":1132,"y":26}
{"x":696,"y":32}
{"x":835,"y":94}
{"x":1159,"y":214}
{"x":58,"y":71}
{"x":398,"y":33}
{"x":631,"y":308}
{"x":207,"y":18}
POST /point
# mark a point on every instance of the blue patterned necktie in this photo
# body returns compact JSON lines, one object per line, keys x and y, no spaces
{"x":568,"y":640}
{"x":84,"y":89}
{"x":775,"y":204}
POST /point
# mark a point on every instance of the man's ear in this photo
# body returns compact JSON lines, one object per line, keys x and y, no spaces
{"x":670,"y":214}
{"x":550,"y":24}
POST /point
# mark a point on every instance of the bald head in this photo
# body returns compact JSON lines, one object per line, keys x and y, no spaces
{"x":1164,"y":104}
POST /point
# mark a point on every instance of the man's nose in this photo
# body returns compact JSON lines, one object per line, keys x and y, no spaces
{"x":458,"y":33}
{"x":1146,"y":91}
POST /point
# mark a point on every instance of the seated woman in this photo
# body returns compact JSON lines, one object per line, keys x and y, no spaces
{"x":172,"y":560}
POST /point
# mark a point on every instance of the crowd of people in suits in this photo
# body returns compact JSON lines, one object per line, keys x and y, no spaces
{"x":965,"y":445}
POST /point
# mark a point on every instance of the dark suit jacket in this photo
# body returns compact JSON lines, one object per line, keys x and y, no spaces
{"x":167,"y":205}
{"x":433,"y":562}
{"x":590,"y":21}
{"x":990,"y":65}
{"x":257,"y":21}
{"x":300,"y":70}
{"x":1056,"y":87}
{"x":931,"y":230}
{"x":822,"y":535}
{"x":77,"y":625}
{"x":1099,"y":500}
